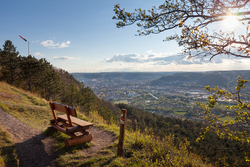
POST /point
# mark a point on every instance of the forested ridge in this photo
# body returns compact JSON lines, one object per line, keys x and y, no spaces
{"x":54,"y":84}
{"x":201,"y":79}
{"x":40,"y":77}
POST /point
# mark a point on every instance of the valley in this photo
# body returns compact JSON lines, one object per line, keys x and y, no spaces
{"x":167,"y":94}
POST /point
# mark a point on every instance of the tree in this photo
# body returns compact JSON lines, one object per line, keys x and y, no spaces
{"x":193,"y":17}
{"x":9,"y":62}
{"x":51,"y":82}
{"x":0,"y":63}
{"x":30,"y":71}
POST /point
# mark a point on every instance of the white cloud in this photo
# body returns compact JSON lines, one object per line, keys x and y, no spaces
{"x":172,"y":62}
{"x":161,"y":62}
{"x":64,"y":45}
{"x":64,"y":58}
{"x":52,"y":44}
{"x":128,"y":58}
{"x":165,"y":58}
{"x":37,"y":54}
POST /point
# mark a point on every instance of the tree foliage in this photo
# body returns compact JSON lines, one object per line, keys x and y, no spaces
{"x":9,"y":60}
{"x":193,"y":17}
{"x":238,"y":127}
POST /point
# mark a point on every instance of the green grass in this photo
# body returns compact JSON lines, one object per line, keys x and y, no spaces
{"x":180,"y":113}
{"x":121,"y":101}
{"x":25,"y":106}
{"x":226,"y":118}
{"x":8,"y":156}
{"x":141,"y":150}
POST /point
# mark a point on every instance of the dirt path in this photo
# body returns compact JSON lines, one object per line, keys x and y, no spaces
{"x":35,"y":149}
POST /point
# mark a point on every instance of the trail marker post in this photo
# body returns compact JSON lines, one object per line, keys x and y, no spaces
{"x":120,"y":151}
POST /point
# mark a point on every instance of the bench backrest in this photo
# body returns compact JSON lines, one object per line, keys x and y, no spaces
{"x":72,"y":111}
{"x":62,"y":108}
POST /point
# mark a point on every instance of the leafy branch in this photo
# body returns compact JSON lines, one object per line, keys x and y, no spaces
{"x":192,"y":18}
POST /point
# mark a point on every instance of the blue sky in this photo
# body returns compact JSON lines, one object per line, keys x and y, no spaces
{"x":80,"y":36}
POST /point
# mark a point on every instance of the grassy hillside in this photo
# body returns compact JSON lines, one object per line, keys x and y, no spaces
{"x":141,"y":149}
{"x":25,"y":106}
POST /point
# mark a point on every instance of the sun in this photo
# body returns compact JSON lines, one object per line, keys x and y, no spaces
{"x":230,"y":22}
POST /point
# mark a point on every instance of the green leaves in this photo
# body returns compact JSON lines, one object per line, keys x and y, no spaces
{"x":239,"y":109}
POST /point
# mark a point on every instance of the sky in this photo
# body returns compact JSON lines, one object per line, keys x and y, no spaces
{"x":80,"y":36}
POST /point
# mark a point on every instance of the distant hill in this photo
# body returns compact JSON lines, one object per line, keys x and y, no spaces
{"x":133,"y":76}
{"x":212,"y":78}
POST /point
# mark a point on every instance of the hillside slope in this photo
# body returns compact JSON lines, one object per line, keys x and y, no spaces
{"x":26,"y":116}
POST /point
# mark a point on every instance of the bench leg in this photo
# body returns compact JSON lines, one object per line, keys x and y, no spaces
{"x":78,"y":140}
{"x":51,"y":129}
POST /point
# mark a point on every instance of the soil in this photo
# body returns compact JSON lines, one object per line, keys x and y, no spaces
{"x":34,"y":149}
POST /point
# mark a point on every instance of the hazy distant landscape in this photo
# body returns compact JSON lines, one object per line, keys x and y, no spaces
{"x":172,"y":94}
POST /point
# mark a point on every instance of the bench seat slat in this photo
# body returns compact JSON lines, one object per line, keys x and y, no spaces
{"x":75,"y":120}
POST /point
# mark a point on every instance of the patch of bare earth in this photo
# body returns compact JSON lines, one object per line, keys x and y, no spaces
{"x":34,"y":149}
{"x":101,"y":139}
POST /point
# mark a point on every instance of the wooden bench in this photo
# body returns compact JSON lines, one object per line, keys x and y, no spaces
{"x":70,"y":125}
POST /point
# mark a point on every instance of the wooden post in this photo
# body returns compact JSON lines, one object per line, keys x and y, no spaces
{"x":120,"y":151}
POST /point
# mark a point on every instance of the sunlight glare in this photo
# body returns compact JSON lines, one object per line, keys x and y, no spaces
{"x":230,"y":23}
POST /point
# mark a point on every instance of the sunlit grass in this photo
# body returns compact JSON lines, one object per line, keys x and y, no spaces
{"x":8,"y":156}
{"x":121,"y":101}
{"x":180,"y":113}
{"x":25,"y":106}
{"x":141,"y":149}
{"x":18,"y":96}
{"x":226,"y":118}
